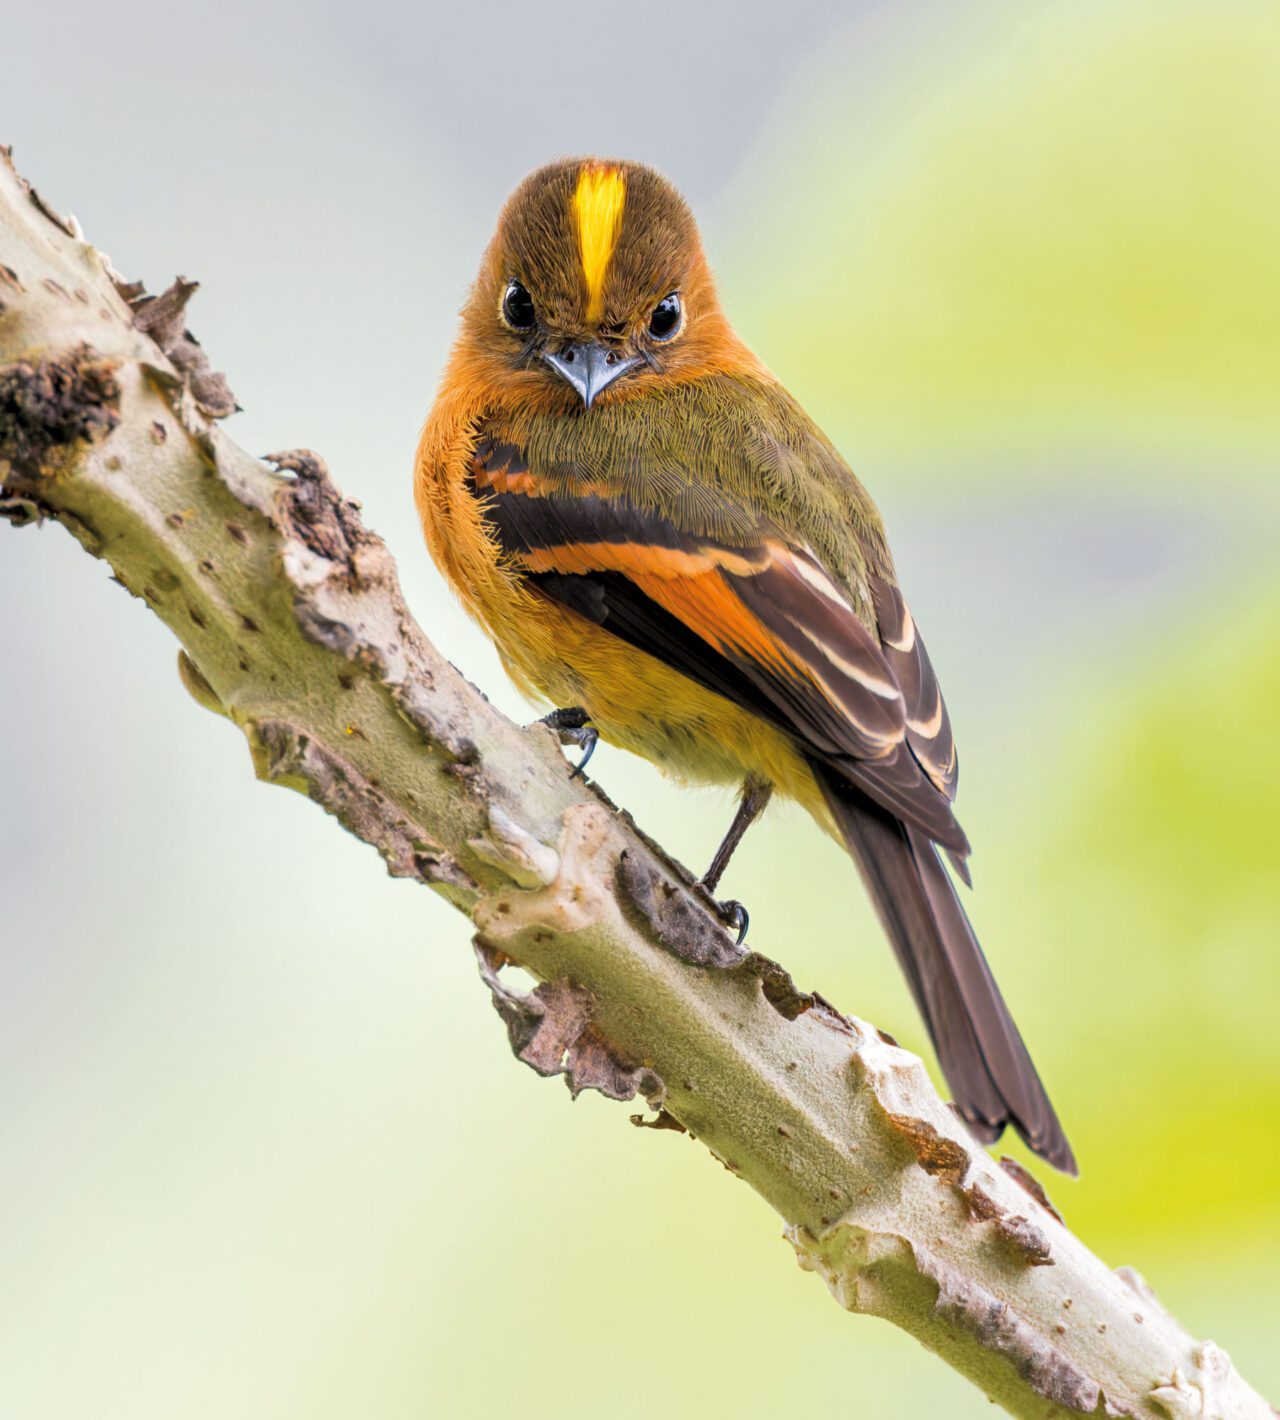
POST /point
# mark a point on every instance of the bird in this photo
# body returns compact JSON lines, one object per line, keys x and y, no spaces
{"x":665,"y":547}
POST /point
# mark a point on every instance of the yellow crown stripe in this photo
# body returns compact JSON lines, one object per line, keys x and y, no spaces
{"x":597,"y":205}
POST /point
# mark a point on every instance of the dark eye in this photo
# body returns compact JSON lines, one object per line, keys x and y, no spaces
{"x":517,"y":307}
{"x":667,"y":317}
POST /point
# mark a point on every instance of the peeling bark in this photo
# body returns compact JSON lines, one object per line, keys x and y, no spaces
{"x":551,"y":1030}
{"x":291,"y":623}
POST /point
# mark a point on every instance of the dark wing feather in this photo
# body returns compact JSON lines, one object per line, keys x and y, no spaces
{"x":763,"y":624}
{"x":979,"y":1047}
{"x":928,"y":724}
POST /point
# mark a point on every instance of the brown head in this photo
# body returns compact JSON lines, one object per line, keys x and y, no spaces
{"x":595,"y":282}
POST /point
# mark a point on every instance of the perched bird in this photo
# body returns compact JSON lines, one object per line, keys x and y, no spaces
{"x":664,"y":545}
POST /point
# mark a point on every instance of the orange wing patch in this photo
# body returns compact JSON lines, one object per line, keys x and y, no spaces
{"x":706,"y":604}
{"x":658,"y":564}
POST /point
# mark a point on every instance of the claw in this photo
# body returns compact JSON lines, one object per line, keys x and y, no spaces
{"x":588,"y":737}
{"x":737,"y":916}
{"x":574,"y":727}
{"x":732,"y":913}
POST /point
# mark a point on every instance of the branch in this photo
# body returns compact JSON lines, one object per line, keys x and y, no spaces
{"x":292,"y":624}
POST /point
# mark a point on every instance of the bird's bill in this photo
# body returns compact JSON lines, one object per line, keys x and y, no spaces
{"x":590,"y":367}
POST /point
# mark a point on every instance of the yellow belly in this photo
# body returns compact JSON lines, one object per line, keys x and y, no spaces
{"x":640,"y":704}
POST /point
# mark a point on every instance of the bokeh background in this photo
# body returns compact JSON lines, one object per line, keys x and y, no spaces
{"x":263,"y":1151}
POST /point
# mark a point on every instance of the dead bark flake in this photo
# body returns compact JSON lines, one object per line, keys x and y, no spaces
{"x":551,"y":1031}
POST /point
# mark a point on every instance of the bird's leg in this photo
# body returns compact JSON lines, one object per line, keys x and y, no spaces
{"x":755,"y":796}
{"x":574,"y":727}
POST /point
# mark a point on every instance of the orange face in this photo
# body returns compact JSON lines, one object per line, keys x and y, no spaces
{"x":594,"y":287}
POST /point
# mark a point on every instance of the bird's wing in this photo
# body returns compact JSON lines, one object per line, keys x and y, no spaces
{"x":760,"y":621}
{"x":763,"y":622}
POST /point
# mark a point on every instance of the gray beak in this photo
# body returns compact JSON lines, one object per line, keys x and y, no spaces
{"x":589,"y":367}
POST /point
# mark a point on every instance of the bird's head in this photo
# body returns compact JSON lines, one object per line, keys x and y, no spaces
{"x":594,"y":286}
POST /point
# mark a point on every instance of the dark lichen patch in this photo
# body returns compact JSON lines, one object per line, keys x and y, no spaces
{"x":54,"y":403}
{"x":683,"y":926}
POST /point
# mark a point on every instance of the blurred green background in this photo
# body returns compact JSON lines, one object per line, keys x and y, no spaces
{"x":263,"y":1150}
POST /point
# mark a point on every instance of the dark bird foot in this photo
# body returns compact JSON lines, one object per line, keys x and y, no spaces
{"x":734,"y":916}
{"x":574,"y":727}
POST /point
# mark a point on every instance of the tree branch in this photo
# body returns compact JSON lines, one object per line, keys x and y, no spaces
{"x":292,"y":624}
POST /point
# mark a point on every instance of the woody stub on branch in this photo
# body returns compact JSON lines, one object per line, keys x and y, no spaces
{"x":291,"y":624}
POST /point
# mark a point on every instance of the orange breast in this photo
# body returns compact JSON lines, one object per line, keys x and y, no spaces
{"x":556,"y":655}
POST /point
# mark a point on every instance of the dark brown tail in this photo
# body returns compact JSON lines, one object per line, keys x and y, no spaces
{"x":978,"y":1045}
